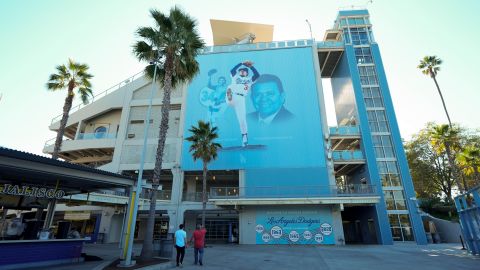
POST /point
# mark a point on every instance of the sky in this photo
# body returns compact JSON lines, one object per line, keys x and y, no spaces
{"x":36,"y":36}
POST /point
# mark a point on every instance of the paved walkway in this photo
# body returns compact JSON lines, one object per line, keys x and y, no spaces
{"x":399,"y":256}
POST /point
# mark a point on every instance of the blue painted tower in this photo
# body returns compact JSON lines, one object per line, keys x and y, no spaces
{"x":362,"y":98}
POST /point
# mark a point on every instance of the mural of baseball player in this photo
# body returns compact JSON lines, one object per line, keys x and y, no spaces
{"x":243,"y":76}
{"x":213,"y":96}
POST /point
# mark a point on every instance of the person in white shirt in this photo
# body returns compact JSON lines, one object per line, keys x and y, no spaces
{"x":237,"y":91}
{"x":180,"y":240}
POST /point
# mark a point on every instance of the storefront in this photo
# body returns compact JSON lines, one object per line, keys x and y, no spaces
{"x":33,"y":183}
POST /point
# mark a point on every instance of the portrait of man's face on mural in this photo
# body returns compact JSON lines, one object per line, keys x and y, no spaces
{"x":268,"y":98}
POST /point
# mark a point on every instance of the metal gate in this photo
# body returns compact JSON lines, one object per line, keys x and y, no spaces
{"x":468,"y":208}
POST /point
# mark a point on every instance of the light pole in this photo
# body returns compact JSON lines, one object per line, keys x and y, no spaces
{"x":310,"y":28}
{"x":135,"y":195}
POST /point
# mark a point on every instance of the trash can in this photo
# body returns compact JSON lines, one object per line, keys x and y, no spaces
{"x":166,"y":246}
{"x":429,"y":238}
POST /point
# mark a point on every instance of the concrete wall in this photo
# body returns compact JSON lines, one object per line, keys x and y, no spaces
{"x":449,"y":231}
{"x":111,"y":120}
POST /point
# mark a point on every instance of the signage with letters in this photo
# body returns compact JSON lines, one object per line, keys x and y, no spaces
{"x":294,"y":227}
{"x":31,"y":191}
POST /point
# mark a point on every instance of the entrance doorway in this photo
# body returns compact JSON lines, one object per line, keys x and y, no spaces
{"x":359,"y":225}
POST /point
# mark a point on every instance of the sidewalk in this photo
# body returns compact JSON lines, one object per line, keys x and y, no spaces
{"x":401,"y":256}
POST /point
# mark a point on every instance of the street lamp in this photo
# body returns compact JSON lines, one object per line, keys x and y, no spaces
{"x":135,"y":195}
{"x":309,"y":27}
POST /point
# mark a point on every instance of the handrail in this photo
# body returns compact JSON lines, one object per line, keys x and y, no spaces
{"x":257,"y":46}
{"x":351,"y":190}
{"x":100,"y":95}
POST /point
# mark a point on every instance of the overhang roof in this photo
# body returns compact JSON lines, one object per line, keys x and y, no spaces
{"x":227,"y":32}
{"x":21,"y":168}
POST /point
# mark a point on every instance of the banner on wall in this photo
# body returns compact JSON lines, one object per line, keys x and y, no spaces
{"x":265,"y":106}
{"x":294,"y":227}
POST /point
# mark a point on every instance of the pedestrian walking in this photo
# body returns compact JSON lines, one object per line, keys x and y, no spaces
{"x":198,"y":239}
{"x":180,"y":240}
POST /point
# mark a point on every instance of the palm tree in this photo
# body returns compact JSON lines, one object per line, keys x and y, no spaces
{"x":70,"y":76}
{"x":447,"y":138}
{"x":174,"y":42}
{"x":203,"y":147}
{"x":430,"y":65}
{"x":469,"y":158}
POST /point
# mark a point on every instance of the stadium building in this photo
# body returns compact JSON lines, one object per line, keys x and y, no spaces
{"x":283,"y":175}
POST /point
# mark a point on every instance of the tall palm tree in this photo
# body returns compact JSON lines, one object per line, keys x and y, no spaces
{"x":203,"y":147}
{"x":174,"y":42}
{"x":447,"y":138}
{"x":70,"y":76}
{"x":430,"y":66}
{"x":469,"y":158}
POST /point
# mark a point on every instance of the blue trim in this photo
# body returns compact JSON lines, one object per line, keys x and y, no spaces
{"x":407,"y":183}
{"x":344,"y":13}
{"x":385,"y":234}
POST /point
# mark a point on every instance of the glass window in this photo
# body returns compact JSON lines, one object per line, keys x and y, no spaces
{"x":405,"y":220}
{"x":397,"y":234}
{"x":407,"y":234}
{"x":100,"y":132}
{"x":393,"y":219}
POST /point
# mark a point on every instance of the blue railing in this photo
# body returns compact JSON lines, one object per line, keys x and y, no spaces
{"x":358,"y":190}
{"x":344,"y":130}
{"x":258,"y":46}
{"x":95,"y":136}
{"x":468,"y":208}
{"x":347,"y":155}
{"x":330,"y":44}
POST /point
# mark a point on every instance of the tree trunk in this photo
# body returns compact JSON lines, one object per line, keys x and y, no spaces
{"x":451,"y":160}
{"x":204,"y":193}
{"x":63,"y":123}
{"x":441,"y":96}
{"x":147,"y":248}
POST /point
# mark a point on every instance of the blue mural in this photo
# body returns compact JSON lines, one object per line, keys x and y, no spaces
{"x":294,"y":227}
{"x":265,"y":105}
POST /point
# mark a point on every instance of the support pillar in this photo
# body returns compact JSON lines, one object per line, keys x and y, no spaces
{"x":50,"y":213}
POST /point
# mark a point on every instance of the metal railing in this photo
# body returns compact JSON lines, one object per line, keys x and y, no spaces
{"x":330,"y":44}
{"x":84,"y":136}
{"x":100,"y":95}
{"x":353,"y":190}
{"x":96,"y":136}
{"x":347,"y":155}
{"x":257,"y":46}
{"x":344,"y":130}
{"x":193,"y":196}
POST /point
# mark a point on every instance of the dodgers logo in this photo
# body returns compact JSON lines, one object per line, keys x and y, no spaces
{"x":276,"y":232}
{"x":326,"y":229}
{"x":294,"y":236}
{"x":266,"y":237}
{"x":307,"y":235}
{"x":319,"y":238}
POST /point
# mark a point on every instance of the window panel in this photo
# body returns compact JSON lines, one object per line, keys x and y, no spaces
{"x":393,"y":219}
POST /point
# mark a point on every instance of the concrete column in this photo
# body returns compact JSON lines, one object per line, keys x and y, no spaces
{"x":241,"y":183}
{"x":50,"y":213}
{"x":176,"y":218}
{"x":39,"y":214}
{"x":177,"y":185}
{"x":191,"y":185}
{"x":79,"y":128}
{"x":337,"y":224}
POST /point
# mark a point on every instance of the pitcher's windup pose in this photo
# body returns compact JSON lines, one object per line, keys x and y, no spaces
{"x":238,"y":90}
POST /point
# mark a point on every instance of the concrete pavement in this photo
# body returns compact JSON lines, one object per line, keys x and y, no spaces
{"x":404,"y":256}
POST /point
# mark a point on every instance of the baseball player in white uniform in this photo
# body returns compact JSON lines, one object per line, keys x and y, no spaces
{"x":238,"y":90}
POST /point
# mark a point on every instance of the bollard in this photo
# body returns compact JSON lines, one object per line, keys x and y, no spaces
{"x":461,"y":240}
